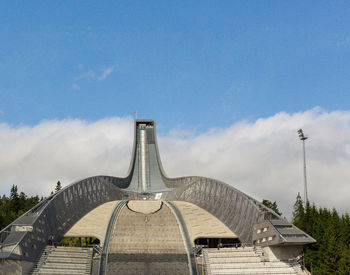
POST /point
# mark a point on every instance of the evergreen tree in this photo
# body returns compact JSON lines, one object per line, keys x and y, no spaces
{"x":272,"y":205}
{"x":298,"y":210}
{"x":58,"y":186}
{"x":331,"y":253}
{"x":344,"y":262}
{"x":14,"y":198}
{"x":14,"y":192}
{"x":14,"y":206}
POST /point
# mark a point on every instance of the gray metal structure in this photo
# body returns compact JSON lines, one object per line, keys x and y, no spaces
{"x":302,"y":137}
{"x":25,"y":238}
{"x":104,"y":254}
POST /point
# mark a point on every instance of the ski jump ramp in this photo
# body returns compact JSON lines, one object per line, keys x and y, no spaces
{"x":193,"y":207}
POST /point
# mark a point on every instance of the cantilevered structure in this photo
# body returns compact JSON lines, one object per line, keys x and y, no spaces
{"x":148,"y":218}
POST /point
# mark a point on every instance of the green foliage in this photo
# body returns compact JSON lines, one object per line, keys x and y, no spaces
{"x":331,"y":253}
{"x":58,"y":186}
{"x":14,"y":206}
{"x":272,"y":205}
{"x":79,"y":241}
{"x":298,"y":210}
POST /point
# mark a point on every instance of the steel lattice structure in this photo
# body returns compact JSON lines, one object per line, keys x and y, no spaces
{"x":25,"y":238}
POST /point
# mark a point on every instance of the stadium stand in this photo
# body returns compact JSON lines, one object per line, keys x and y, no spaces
{"x":64,"y":260}
{"x":149,"y":223}
{"x":248,"y":260}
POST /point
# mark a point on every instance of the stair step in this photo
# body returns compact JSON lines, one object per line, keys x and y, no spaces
{"x":64,"y":260}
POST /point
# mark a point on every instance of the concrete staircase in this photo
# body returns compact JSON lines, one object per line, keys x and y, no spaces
{"x":246,"y":260}
{"x":64,"y":260}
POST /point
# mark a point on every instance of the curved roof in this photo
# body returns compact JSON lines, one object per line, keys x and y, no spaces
{"x":145,"y":179}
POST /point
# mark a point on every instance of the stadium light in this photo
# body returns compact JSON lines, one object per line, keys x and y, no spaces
{"x":303,"y":138}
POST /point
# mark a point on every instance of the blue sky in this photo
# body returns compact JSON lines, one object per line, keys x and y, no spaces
{"x":187,"y":63}
{"x":256,"y":71}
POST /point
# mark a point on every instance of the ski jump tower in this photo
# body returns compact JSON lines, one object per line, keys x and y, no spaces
{"x":152,"y":217}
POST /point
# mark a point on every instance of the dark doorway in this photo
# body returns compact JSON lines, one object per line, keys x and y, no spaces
{"x":214,"y":242}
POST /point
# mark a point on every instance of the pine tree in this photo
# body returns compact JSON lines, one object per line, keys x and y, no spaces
{"x":344,"y":262}
{"x":58,"y":186}
{"x":298,"y":212}
{"x":331,"y":253}
{"x":14,"y":192}
{"x":272,"y":205}
{"x":14,"y":199}
{"x":15,"y":205}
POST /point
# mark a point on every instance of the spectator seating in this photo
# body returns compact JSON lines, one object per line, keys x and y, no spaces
{"x":248,"y":260}
{"x":64,"y":260}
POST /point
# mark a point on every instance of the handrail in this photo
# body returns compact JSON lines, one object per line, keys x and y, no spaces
{"x":16,"y":244}
{"x":186,"y":235}
{"x":280,"y":234}
{"x":54,"y":217}
{"x":97,"y":248}
{"x":104,"y":254}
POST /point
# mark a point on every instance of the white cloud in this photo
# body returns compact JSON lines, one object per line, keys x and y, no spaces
{"x":36,"y":157}
{"x":91,"y":76}
{"x":75,"y":86}
{"x":105,"y":73}
{"x":261,"y":158}
{"x":1,"y":112}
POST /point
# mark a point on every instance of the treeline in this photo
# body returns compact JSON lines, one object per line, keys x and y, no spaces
{"x":331,"y":253}
{"x":15,"y":205}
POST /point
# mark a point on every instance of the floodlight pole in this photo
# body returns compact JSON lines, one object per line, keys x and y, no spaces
{"x":305,"y":180}
{"x":303,"y":138}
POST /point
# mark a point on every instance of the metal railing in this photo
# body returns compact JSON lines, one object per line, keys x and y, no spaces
{"x":104,"y":254}
{"x":189,"y":248}
{"x":95,"y":247}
